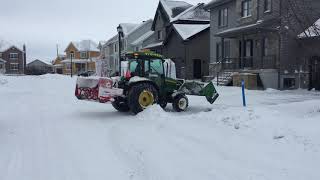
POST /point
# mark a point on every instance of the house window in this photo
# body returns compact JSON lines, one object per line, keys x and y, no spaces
{"x":72,"y":55}
{"x":1,"y":66}
{"x":13,"y":55}
{"x":159,"y":35}
{"x":83,"y":55}
{"x":226,"y":50}
{"x":14,"y":66}
{"x":246,"y":8}
{"x":0,"y":55}
{"x":267,"y":5}
{"x":68,"y":66}
{"x":289,"y":83}
{"x":248,"y":48}
{"x":115,"y":47}
{"x":136,"y":48}
{"x":265,"y":47}
{"x":223,"y":17}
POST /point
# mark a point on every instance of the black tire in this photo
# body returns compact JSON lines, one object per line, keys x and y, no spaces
{"x":121,"y":105}
{"x":180,"y":103}
{"x":134,"y":94}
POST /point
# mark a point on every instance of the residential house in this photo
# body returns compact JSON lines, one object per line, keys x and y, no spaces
{"x":310,"y":43}
{"x":182,"y":34}
{"x":133,"y":38}
{"x":38,"y":67}
{"x":12,"y":59}
{"x":57,"y":64}
{"x":2,"y":65}
{"x":253,"y":37}
{"x":80,"y":57}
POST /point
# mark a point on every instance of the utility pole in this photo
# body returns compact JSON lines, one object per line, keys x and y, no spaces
{"x":120,"y":34}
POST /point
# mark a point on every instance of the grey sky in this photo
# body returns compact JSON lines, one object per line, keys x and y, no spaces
{"x":42,"y":24}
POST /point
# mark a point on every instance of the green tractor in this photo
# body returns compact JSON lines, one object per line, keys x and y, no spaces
{"x":148,"y":79}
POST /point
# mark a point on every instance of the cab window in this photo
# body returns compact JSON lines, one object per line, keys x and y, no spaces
{"x":156,"y":66}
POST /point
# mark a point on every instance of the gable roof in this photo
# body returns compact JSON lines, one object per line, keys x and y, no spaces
{"x":142,"y":38}
{"x":171,"y":9}
{"x":4,"y":46}
{"x":128,"y":28}
{"x":194,"y":13}
{"x":312,"y":31}
{"x":186,"y":31}
{"x":38,"y":61}
{"x":174,"y":8}
{"x":85,"y":45}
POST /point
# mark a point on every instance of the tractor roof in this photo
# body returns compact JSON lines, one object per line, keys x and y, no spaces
{"x":144,"y":55}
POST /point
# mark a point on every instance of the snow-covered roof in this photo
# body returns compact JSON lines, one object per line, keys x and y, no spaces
{"x":86,"y":45}
{"x":142,"y":38}
{"x":312,"y":31}
{"x":4,"y":46}
{"x":173,"y":8}
{"x":194,"y":13}
{"x":153,"y":45}
{"x":112,"y":40}
{"x":77,"y":61}
{"x":2,"y":61}
{"x":38,"y":61}
{"x":139,"y":26}
{"x":188,"y":30}
{"x":128,"y":27}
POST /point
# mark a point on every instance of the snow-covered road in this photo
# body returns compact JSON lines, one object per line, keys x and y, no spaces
{"x":46,"y":134}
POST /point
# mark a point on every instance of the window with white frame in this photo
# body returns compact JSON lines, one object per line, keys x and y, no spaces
{"x":267,"y":5}
{"x":246,"y":8}
{"x":72,"y":55}
{"x":14,"y":66}
{"x":13,"y":55}
{"x":83,"y":55}
{"x":223,"y":17}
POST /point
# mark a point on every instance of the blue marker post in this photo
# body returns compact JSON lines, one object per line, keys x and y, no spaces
{"x":243,"y":94}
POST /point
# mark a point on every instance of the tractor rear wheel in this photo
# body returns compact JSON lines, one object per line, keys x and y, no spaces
{"x":141,"y":96}
{"x":121,"y":105}
{"x":180,"y":103}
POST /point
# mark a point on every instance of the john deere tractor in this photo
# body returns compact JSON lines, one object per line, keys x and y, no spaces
{"x":148,"y":79}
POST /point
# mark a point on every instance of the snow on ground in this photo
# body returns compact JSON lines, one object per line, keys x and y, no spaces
{"x":45,"y":133}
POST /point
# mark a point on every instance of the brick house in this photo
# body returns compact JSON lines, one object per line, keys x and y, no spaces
{"x":12,"y":59}
{"x":80,"y":57}
{"x":252,"y":37}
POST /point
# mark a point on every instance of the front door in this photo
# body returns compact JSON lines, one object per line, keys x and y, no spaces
{"x":315,"y":73}
{"x":246,"y":54}
{"x":197,"y":73}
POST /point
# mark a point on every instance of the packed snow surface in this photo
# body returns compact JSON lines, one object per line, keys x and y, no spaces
{"x":46,"y":133}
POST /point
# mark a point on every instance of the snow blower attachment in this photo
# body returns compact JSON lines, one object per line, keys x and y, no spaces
{"x":148,"y":79}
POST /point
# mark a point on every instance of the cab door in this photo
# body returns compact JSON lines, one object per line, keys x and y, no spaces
{"x":155,"y":72}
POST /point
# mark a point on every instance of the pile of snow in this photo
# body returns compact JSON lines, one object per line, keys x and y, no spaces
{"x":46,"y":133}
{"x":3,"y":81}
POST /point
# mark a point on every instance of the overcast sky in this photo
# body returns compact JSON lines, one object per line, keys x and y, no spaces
{"x":41,"y":24}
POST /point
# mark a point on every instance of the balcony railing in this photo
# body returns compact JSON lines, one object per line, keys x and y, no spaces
{"x":252,"y":63}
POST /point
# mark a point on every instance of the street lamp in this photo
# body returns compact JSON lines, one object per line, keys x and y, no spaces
{"x":120,"y":34}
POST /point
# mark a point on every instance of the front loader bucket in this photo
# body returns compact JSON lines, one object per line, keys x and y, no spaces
{"x":210,"y":92}
{"x":200,"y":89}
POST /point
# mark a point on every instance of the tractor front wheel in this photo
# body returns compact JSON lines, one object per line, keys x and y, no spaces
{"x":180,"y":103}
{"x":121,"y":105}
{"x":141,"y":96}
